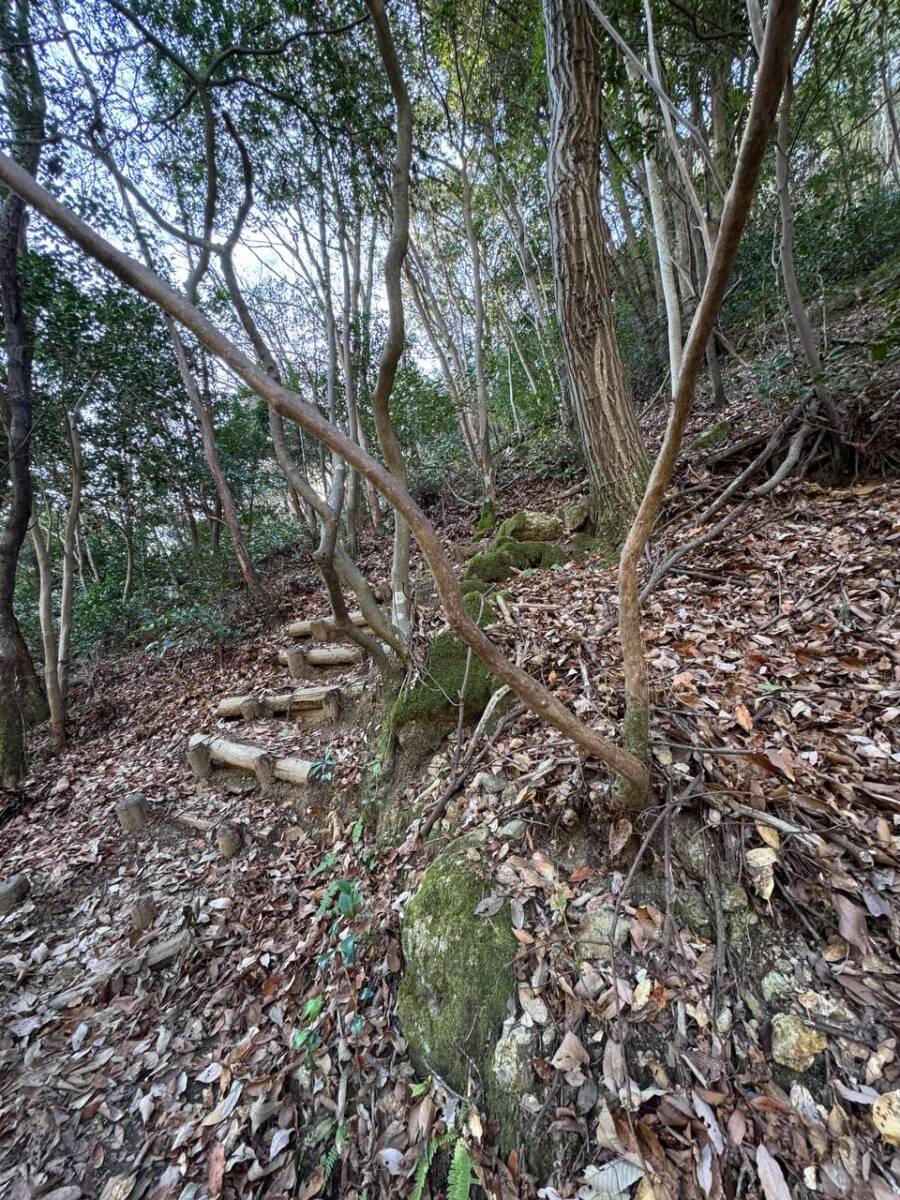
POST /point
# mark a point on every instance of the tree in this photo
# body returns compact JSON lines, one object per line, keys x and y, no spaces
{"x":610,"y":438}
{"x":26,"y":108}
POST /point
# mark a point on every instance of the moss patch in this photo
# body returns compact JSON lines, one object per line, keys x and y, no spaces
{"x":712,"y":437}
{"x":531,"y":527}
{"x":496,"y":564}
{"x":487,"y":520}
{"x":436,"y":695}
{"x":458,"y":971}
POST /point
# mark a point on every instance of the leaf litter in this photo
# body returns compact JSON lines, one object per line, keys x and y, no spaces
{"x":265,"y":1060}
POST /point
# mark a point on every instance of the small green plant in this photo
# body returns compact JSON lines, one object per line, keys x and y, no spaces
{"x":462,"y":1175}
{"x":322,"y":770}
{"x":432,"y":1146}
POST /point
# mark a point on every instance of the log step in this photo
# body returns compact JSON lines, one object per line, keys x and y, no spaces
{"x":205,"y":751}
{"x":314,"y":703}
{"x":299,"y":661}
{"x":304,"y":629}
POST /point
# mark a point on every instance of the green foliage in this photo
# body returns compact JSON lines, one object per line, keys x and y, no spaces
{"x":431,"y":1148}
{"x":462,"y":1175}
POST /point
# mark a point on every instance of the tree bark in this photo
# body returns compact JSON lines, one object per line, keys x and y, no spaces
{"x":48,"y":637}
{"x":611,"y":440}
{"x":25,"y":107}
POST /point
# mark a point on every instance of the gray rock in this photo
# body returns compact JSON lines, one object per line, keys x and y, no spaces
{"x":575,"y":516}
{"x":593,"y":936}
{"x":12,"y":892}
{"x":512,"y":1060}
{"x":776,"y":986}
{"x":512,"y":829}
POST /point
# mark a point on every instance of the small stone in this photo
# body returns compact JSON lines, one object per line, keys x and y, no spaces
{"x":143,"y":914}
{"x":228,"y":840}
{"x":13,"y":892}
{"x":512,"y":829}
{"x":724,"y":1021}
{"x":690,"y":847}
{"x":886,"y":1117}
{"x":575,"y":516}
{"x":512,"y":1060}
{"x":795,"y":1045}
{"x":587,"y":1097}
{"x":490,"y":783}
{"x":593,"y":936}
{"x":133,"y":812}
{"x":776,"y":986}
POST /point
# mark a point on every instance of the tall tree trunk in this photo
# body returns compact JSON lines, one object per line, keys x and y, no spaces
{"x":799,"y":315}
{"x":32,"y":699}
{"x":48,"y":637}
{"x":203,"y":412}
{"x":67,"y":593}
{"x":25,"y":107}
{"x":485,"y":458}
{"x":774,"y":63}
{"x":396,"y":335}
{"x":614,"y":453}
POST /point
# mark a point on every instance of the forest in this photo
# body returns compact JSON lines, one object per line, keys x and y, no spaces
{"x":449,"y":597}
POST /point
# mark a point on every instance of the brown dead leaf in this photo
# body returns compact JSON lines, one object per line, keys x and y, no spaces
{"x":774,"y":1185}
{"x":216,"y":1173}
{"x":570,"y":1054}
{"x":743,"y":717}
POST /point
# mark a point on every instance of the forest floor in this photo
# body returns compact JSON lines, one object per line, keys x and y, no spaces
{"x":776,"y":686}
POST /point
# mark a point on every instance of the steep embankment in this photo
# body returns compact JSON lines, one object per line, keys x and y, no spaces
{"x":726,"y":996}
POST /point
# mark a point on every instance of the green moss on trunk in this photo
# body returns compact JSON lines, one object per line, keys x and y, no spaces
{"x":487,"y":520}
{"x":636,"y":740}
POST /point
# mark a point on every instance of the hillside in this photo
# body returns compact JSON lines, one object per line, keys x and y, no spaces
{"x":752,"y":909}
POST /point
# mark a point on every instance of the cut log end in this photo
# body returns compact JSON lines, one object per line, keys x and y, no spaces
{"x":200,"y":760}
{"x":229,"y":841}
{"x":133,"y":812}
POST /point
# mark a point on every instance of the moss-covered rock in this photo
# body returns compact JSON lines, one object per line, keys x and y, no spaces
{"x":497,"y":563}
{"x":575,"y":516}
{"x":528,"y":526}
{"x":458,"y":974}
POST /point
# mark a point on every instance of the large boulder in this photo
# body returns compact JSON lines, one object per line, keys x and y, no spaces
{"x":531,"y":526}
{"x":458,"y":976}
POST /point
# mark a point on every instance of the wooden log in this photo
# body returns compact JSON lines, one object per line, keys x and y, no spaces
{"x":299,"y":661}
{"x":302,"y":629}
{"x":313,"y":700}
{"x":156,"y":957}
{"x":250,"y":758}
{"x":334,"y":656}
{"x":133,"y":812}
{"x":12,"y":892}
{"x":326,"y":632}
{"x":198,"y":757}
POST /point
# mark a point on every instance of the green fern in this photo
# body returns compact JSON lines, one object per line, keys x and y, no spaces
{"x":431,"y":1148}
{"x":461,"y":1177}
{"x":327,"y":1161}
